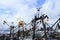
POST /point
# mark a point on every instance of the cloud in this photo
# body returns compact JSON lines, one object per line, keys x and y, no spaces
{"x":16,"y":8}
{"x":51,"y":7}
{"x":10,"y":10}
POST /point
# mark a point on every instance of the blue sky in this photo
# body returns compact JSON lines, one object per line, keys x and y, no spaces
{"x":13,"y":10}
{"x":40,"y":2}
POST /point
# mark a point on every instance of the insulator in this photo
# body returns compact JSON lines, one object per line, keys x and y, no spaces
{"x":58,"y":25}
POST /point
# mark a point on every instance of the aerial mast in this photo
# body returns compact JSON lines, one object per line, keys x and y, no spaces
{"x":34,"y":22}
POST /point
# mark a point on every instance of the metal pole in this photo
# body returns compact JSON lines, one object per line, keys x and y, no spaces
{"x":18,"y":34}
{"x":44,"y":26}
{"x":11,"y":32}
{"x":23,"y":34}
{"x":34,"y":29}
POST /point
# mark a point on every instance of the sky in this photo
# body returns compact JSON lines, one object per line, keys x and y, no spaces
{"x":13,"y":10}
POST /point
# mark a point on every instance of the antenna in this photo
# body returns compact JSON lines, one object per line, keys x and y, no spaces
{"x":38,"y":11}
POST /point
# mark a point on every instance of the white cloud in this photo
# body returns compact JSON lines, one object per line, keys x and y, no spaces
{"x":21,"y":6}
{"x":13,"y":9}
{"x":52,"y":8}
